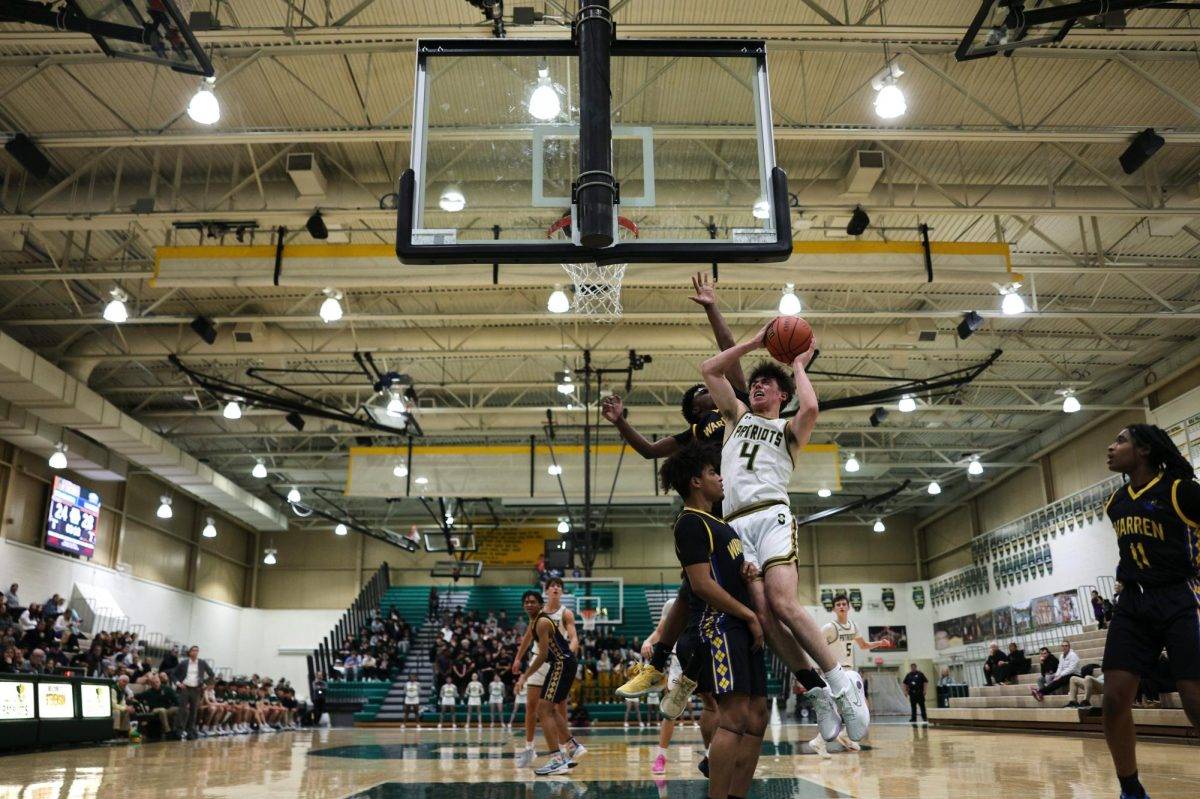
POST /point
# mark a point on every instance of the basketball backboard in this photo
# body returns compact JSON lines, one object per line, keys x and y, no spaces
{"x":166,"y":38}
{"x":1001,"y":26}
{"x":496,"y":151}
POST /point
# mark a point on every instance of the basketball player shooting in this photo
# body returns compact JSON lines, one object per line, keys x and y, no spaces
{"x":757,"y":460}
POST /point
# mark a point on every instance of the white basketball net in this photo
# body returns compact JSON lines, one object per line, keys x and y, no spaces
{"x":589,"y":619}
{"x":597,"y":292}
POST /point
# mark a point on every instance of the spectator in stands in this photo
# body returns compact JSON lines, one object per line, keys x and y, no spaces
{"x":28,"y":618}
{"x":1018,"y":663}
{"x":1089,"y":682}
{"x":351,"y":665}
{"x":945,"y":680}
{"x":1047,"y":665}
{"x":54,"y":606}
{"x":38,"y":663}
{"x":1068,"y":665}
{"x":12,"y":603}
{"x":995,"y":668}
{"x":120,"y":706}
{"x":1098,"y":608}
{"x":190,"y":676}
{"x":8,"y":660}
{"x":92,"y":660}
{"x":170,"y":660}
{"x":914,"y":688}
{"x":434,"y":603}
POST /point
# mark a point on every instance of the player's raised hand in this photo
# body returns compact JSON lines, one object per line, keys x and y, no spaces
{"x":706,"y":294}
{"x":805,"y":358}
{"x":612,"y":408}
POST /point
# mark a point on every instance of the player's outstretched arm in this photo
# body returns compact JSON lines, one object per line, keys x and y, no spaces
{"x":865,"y":644}
{"x":805,"y":420}
{"x":613,"y":410}
{"x":706,"y":297}
{"x":713,"y":371}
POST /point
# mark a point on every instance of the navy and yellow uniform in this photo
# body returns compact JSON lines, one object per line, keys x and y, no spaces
{"x":734,"y":665}
{"x":562,"y":663}
{"x":1159,"y":605}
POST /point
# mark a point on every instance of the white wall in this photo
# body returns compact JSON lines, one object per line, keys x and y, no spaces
{"x":247,"y":640}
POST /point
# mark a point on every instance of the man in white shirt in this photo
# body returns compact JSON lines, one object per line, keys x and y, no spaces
{"x":1068,"y":666}
{"x":28,"y":618}
{"x":189,"y":677}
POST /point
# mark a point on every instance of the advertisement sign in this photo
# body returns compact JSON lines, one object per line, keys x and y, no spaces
{"x":16,"y":701}
{"x":95,"y":701}
{"x":56,"y":700}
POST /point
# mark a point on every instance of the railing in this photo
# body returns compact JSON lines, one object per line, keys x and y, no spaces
{"x":367,"y":601}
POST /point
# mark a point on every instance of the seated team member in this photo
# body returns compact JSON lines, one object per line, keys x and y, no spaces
{"x":553,"y":648}
{"x":710,"y":553}
{"x":160,"y":701}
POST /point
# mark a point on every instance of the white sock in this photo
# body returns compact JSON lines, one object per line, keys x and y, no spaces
{"x":837,"y":680}
{"x":529,"y":745}
{"x":660,"y":752}
{"x":562,"y":752}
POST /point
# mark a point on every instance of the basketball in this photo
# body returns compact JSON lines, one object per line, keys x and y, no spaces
{"x":787,"y":337}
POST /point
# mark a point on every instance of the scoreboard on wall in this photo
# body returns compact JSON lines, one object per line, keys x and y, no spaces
{"x":72,"y":519}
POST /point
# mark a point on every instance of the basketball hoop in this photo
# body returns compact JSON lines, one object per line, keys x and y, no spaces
{"x":597,"y":287}
{"x":589,"y":619}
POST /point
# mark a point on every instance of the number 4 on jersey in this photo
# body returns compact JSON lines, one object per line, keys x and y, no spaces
{"x":749,"y":452}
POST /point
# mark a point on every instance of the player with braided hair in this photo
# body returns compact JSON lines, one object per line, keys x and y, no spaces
{"x":1155,"y":516}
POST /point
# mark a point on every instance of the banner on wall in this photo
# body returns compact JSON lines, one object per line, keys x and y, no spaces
{"x":1046,"y":612}
{"x":1002,"y":622}
{"x":509,"y":547}
{"x":1068,"y":607}
{"x":856,"y":599}
{"x":919,"y":596}
{"x":889,"y":598}
{"x":896,"y":635}
{"x":956,"y":632}
{"x":827,"y":598}
{"x":1022,"y":617}
{"x":987,"y":628}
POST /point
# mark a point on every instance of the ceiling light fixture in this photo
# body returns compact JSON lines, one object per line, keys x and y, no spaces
{"x":452,"y":200}
{"x":293,"y":496}
{"x":164,"y":508}
{"x":58,"y":458}
{"x":331,"y":308}
{"x":824,"y":492}
{"x":115,"y":311}
{"x":341,"y":529}
{"x":400,"y":471}
{"x":259,"y":470}
{"x":232,"y":410}
{"x":564,"y":525}
{"x":210,"y":529}
{"x":906,"y":404}
{"x":544,"y":103}
{"x":1070,"y":401}
{"x":934,"y":488}
{"x":879,"y":526}
{"x":1012,"y":303}
{"x":889,"y":99}
{"x":565,"y":381}
{"x":422,"y":481}
{"x":558,"y":302}
{"x":974,"y":468}
{"x":852,"y":464}
{"x":789,"y":303}
{"x":554,"y":470}
{"x":204,"y":106}
{"x":269,"y":558}
{"x":396,"y":405}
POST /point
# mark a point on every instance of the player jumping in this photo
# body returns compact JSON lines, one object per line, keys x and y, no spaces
{"x":757,"y":460}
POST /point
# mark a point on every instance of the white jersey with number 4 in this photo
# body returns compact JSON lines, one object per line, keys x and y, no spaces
{"x":841,"y":641}
{"x":756,"y":463}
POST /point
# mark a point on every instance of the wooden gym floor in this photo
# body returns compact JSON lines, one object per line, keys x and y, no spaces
{"x":903,"y":762}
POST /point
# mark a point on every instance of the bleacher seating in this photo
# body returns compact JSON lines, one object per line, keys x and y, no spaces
{"x":1012,"y":706}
